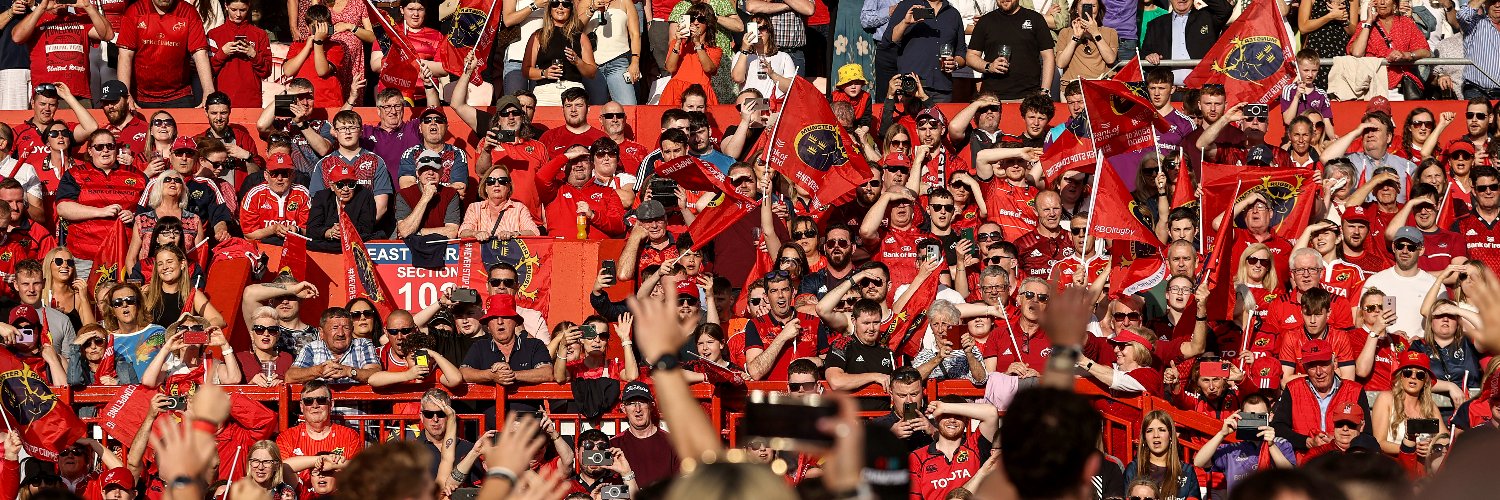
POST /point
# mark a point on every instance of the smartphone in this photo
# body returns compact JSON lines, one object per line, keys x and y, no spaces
{"x":1418,"y":426}
{"x":421,"y":358}
{"x":921,"y":13}
{"x":757,"y":104}
{"x":240,"y":38}
{"x":932,"y":251}
{"x":613,"y":491}
{"x":505,"y":136}
{"x":968,"y":234}
{"x":1213,"y":368}
{"x":465,"y":296}
{"x":685,"y":25}
{"x":1088,"y":10}
{"x":955,"y":335}
{"x":597,"y":458}
{"x":25,"y":336}
{"x":195,"y":338}
{"x":787,"y":420}
{"x":607,"y":268}
{"x":911,"y":411}
{"x":284,"y":104}
{"x":1390,"y":303}
{"x":753,"y":28}
{"x":1248,"y":428}
{"x":588,"y":331}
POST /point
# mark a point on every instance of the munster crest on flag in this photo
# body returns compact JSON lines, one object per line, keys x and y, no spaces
{"x":1120,"y":116}
{"x":1252,"y":60}
{"x":809,"y":148}
{"x":474,"y":28}
{"x":360,"y":278}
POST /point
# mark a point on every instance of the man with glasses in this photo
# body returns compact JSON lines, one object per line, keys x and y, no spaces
{"x":276,"y":207}
{"x":612,"y":122}
{"x":1305,"y":413}
{"x":437,"y":416}
{"x":1477,"y":126}
{"x":302,"y":444}
{"x":978,"y":124}
{"x":1285,"y":312}
{"x":1025,"y":346}
{"x":508,"y":356}
{"x":403,"y":362}
{"x":938,"y":157}
{"x":235,"y":137}
{"x":1047,"y":243}
{"x":1233,"y":138}
{"x":1375,"y":132}
{"x":773,"y":341}
{"x":284,"y":295}
{"x":576,"y":130}
{"x":1256,"y":213}
{"x":453,"y":163}
{"x":337,"y":356}
{"x":393,"y":134}
{"x":368,"y":169}
{"x":429,"y":207}
{"x":1478,"y":229}
{"x":503,"y":280}
{"x":1405,"y":281}
{"x":111,"y":190}
{"x":44,"y":98}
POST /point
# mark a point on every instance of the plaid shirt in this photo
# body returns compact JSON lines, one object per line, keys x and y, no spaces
{"x":361,"y":353}
{"x":791,"y":30}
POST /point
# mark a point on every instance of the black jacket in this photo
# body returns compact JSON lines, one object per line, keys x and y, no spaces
{"x":1203,"y":29}
{"x":325,"y":215}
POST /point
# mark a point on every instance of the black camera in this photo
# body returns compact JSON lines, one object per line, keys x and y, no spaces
{"x":505,"y":136}
{"x":176,"y":403}
{"x":664,"y":190}
{"x":908,"y":85}
{"x":1248,"y":428}
{"x":598,"y":458}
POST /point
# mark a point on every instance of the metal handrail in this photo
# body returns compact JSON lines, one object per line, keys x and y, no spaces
{"x":1327,"y":61}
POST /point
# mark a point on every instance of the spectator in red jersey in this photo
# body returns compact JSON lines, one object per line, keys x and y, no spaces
{"x":1478,"y":229}
{"x":1130,"y":371}
{"x":302,"y":444}
{"x":575,"y":206}
{"x":608,"y":171}
{"x":612,"y":120}
{"x":894,"y":233}
{"x":276,"y":207}
{"x":1256,"y":214}
{"x":112,"y":188}
{"x":53,"y":162}
{"x":774,"y":341}
{"x":1047,"y":243}
{"x":29,"y":134}
{"x":429,"y":207}
{"x":453,"y":162}
{"x":957,"y":452}
{"x":576,"y":130}
{"x":1237,"y":145}
{"x":1026,"y":346}
{"x":1358,"y":248}
{"x":1008,"y":195}
{"x":404,"y":360}
{"x":1316,"y":323}
{"x":1301,"y":415}
{"x":59,"y":35}
{"x":241,"y":55}
{"x":163,"y":35}
{"x":1209,"y":389}
{"x":1376,"y":366}
{"x":1384,"y":192}
{"x":263,"y":364}
{"x":934,"y":160}
{"x":522,"y":155}
{"x":122,"y":119}
{"x":317,"y":60}
{"x":428,"y":47}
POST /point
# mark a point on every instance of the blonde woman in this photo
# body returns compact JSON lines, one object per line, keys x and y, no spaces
{"x":85,"y":358}
{"x":264,"y":464}
{"x":1410,"y":398}
{"x":181,"y":360}
{"x":1158,"y":457}
{"x":64,"y":290}
{"x":1454,"y":357}
{"x":1257,"y":272}
{"x":559,"y":56}
{"x":168,"y":294}
{"x":170,"y":200}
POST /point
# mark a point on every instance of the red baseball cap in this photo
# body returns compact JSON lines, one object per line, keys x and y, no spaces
{"x":1357,"y":212}
{"x":1379,"y":103}
{"x":340,"y":173}
{"x":25,"y":312}
{"x":1264,"y":375}
{"x":500,"y":305}
{"x":1316,"y":351}
{"x":1414,"y":359}
{"x":184,"y":142}
{"x":1125,"y":336}
{"x":118,"y":477}
{"x":1349,"y":412}
{"x":895,"y":159}
{"x":687,"y":287}
{"x":1461,"y":145}
{"x":279,"y":161}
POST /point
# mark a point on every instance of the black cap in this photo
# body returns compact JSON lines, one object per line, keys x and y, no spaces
{"x":218,"y":98}
{"x":113,"y":90}
{"x":637,"y":390}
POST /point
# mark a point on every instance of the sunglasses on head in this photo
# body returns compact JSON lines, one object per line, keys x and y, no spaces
{"x":125,"y":301}
{"x":505,"y":282}
{"x":1039,"y":297}
{"x":316,"y":400}
{"x":555,"y":4}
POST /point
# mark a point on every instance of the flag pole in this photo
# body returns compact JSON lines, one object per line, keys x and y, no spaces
{"x":1098,"y":158}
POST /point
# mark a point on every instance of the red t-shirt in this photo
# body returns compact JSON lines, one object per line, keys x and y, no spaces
{"x":264,"y":208}
{"x":132,"y":137}
{"x":235,"y":75}
{"x":524,"y":160}
{"x":1344,"y":280}
{"x":934,"y":474}
{"x":631,"y":155}
{"x":121,"y":186}
{"x":1066,"y":271}
{"x":1479,"y":239}
{"x":1039,"y":253}
{"x":327,"y":92}
{"x":898,"y":250}
{"x":60,"y":50}
{"x":1439,"y":248}
{"x":1387,"y":352}
{"x":559,"y":139}
{"x":1281,"y":251}
{"x":1012,"y":207}
{"x":429,"y":45}
{"x":167,"y":41}
{"x":1344,"y":350}
{"x":29,"y":138}
{"x":342,"y":441}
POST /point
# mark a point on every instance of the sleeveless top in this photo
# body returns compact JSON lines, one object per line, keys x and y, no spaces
{"x":553,"y":51}
{"x":612,"y":39}
{"x":168,"y":309}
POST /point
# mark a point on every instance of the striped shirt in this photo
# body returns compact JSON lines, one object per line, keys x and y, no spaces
{"x":1480,"y":38}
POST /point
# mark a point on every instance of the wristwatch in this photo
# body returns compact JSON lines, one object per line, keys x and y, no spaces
{"x":182,"y":482}
{"x":666,"y":362}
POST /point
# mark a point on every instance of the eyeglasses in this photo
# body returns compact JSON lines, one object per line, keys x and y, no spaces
{"x":171,"y":180}
{"x":55,"y":133}
{"x":1306,"y":271}
{"x":497,"y":181}
{"x":799,"y":235}
{"x":505,"y":282}
{"x":1181,"y":290}
{"x":1257,"y":261}
{"x":433,"y":414}
{"x":872,"y":183}
{"x":401,"y":332}
{"x":125,"y":301}
{"x":1422,"y":124}
{"x":60,"y":262}
{"x":990,"y":236}
{"x":700,"y":19}
{"x":1414,"y":373}
{"x":347,"y":184}
{"x":594,"y":445}
{"x":849,"y":301}
{"x":512,"y":113}
{"x":1485,"y":188}
{"x":1039,"y":297}
{"x":1405,"y":246}
{"x":801,"y":386}
{"x":836,"y":243}
{"x":941,"y":207}
{"x":869,"y":282}
{"x":316,"y":400}
{"x":260,"y":329}
{"x":1476,"y":116}
{"x":612,"y":116}
{"x":347,"y":128}
{"x":743,"y":179}
{"x":256,"y":462}
{"x":94,"y":341}
{"x":391,"y":107}
{"x":687,"y":300}
{"x":1255,"y":119}
{"x":363,"y":313}
{"x":1132,"y":316}
{"x":104,"y":147}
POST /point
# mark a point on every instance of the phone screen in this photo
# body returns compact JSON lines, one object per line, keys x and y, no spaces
{"x":786,"y":419}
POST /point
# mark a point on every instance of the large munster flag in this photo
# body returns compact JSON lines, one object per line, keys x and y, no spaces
{"x":1120,"y":116}
{"x":360,"y":278}
{"x":47,"y":424}
{"x":1252,"y":60}
{"x":810,"y":148}
{"x":474,"y":27}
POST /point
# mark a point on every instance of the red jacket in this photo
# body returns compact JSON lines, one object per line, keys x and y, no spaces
{"x":236,"y":75}
{"x":1307,"y":418}
{"x":249,"y":421}
{"x":607,"y":220}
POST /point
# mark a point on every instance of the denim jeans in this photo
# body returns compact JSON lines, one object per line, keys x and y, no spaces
{"x":514,"y":78}
{"x":1127,"y":51}
{"x":609,"y":83}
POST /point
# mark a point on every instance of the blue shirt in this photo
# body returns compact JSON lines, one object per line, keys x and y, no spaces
{"x":717,"y":159}
{"x":1480,"y":39}
{"x":875,"y":17}
{"x":1237,"y":460}
{"x":12,"y":54}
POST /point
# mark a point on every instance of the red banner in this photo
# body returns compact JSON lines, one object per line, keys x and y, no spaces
{"x":360,"y":278}
{"x":694,"y":174}
{"x":1132,"y":71}
{"x":46,"y":423}
{"x":109,"y":266}
{"x":1117,"y":222}
{"x":726,"y":209}
{"x":125,"y":414}
{"x":1068,"y":153}
{"x":1120,"y":116}
{"x":1253,"y":59}
{"x":531,"y":257}
{"x":812,"y":150}
{"x":1290,"y":192}
{"x":399,"y":67}
{"x":294,"y":255}
{"x":903,"y":331}
{"x":474,"y":26}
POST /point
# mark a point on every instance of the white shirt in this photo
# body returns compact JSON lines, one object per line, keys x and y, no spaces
{"x":781,"y":63}
{"x":24,"y":174}
{"x":1179,"y":45}
{"x":1409,"y":294}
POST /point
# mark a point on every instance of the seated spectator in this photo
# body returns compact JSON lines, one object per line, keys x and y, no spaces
{"x":907,"y":419}
{"x":428,"y":207}
{"x":1130,"y":371}
{"x":558,"y":56}
{"x":263,"y":364}
{"x":933,"y":468}
{"x":264,"y":466}
{"x":644,"y":443}
{"x":1085,"y":49}
{"x":1239,"y":459}
{"x":303,"y":445}
{"x":336,"y":357}
{"x":346,"y":198}
{"x":1299,"y":417}
{"x":1158,"y":458}
{"x":436,"y":435}
{"x":863,"y":361}
{"x":1409,"y":398}
{"x":362,"y":165}
{"x":453,"y":163}
{"x":509,"y":356}
{"x":497,"y":216}
{"x":407,"y":358}
{"x":276,"y":207}
{"x":284,"y":295}
{"x":1187,"y":32}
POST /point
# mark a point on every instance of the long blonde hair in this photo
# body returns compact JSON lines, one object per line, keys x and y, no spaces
{"x":48,"y":268}
{"x":1242,"y":275}
{"x":1174,"y":455}
{"x":270,"y":447}
{"x":573,"y":28}
{"x":1425,"y":402}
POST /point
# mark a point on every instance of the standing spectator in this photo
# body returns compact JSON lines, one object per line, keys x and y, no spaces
{"x":317,"y":61}
{"x":957,"y":451}
{"x":429,"y":206}
{"x":645,"y":445}
{"x":506,"y":355}
{"x":165,"y":36}
{"x":1239,"y":459}
{"x":1157,"y":458}
{"x":238,"y":144}
{"x":1477,"y":228}
{"x":111,"y":189}
{"x":788,"y":20}
{"x":15,"y":64}
{"x":1326,"y":29}
{"x":875,"y":18}
{"x":1375,"y":132}
{"x":350,"y":29}
{"x":1481,"y":34}
{"x":44,"y":99}
{"x":317,"y":434}
{"x":453,"y":163}
{"x":559,"y":56}
{"x":576,"y":130}
{"x":1395,"y":38}
{"x":1013,"y":52}
{"x":762,"y":65}
{"x":693,"y":58}
{"x":1085,"y":49}
{"x":394,"y":133}
{"x":241,"y":55}
{"x":59,"y":35}
{"x":122,"y":119}
{"x":1185,"y":33}
{"x":938,"y":30}
{"x":428,"y":45}
{"x":616,"y":26}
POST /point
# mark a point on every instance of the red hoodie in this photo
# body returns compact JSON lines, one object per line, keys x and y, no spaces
{"x":235,"y":75}
{"x":561,"y":198}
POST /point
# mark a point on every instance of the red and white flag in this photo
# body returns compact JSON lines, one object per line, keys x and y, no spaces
{"x":810,"y":148}
{"x":1253,"y":59}
{"x":1120,"y":116}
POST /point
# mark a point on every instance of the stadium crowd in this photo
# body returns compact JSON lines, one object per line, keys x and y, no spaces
{"x":1347,"y":357}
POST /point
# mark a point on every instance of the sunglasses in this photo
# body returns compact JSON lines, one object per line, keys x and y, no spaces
{"x":895,"y":170}
{"x":836,"y":243}
{"x":433,"y":414}
{"x":1257,"y":261}
{"x":1132,"y":316}
{"x":801,"y":386}
{"x":192,"y":328}
{"x":1414,"y":373}
{"x":1460,"y":156}
{"x":990,"y":236}
{"x":872,"y":183}
{"x":265,"y":329}
{"x":555,"y":4}
{"x":756,"y":301}
{"x":612,"y":116}
{"x":700,"y":19}
{"x":1373,"y":308}
{"x":125,"y":301}
{"x":941,"y":207}
{"x":687,"y":300}
{"x":743,"y":179}
{"x":497,"y":181}
{"x":71,"y":452}
{"x":788,"y":260}
{"x":1477,"y":116}
{"x":1405,"y":246}
{"x":401,"y":332}
{"x":94,"y":341}
{"x":316,"y":400}
{"x":901,"y":143}
{"x":1485,"y":188}
{"x":990,"y":109}
{"x":60,"y":262}
{"x":1255,"y":119}
{"x":798,"y":235}
{"x":104,"y":147}
{"x":53,"y":134}
{"x":1345,"y":424}
{"x":171,"y":180}
{"x":435,"y":119}
{"x":345,"y":184}
{"x":869,"y":282}
{"x":366,"y":313}
{"x":1422,"y":124}
{"x":163,"y":122}
{"x":849,"y":301}
{"x":505,"y":282}
{"x":1039,"y":297}
{"x":1079,"y":231}
{"x":994,"y":260}
{"x":594,"y":445}
{"x":279,"y":173}
{"x":512,"y":113}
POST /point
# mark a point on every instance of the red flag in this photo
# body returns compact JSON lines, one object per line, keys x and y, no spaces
{"x":399,"y":67}
{"x":109,"y":266}
{"x":1220,"y":304}
{"x":726,"y":209}
{"x":474,"y":26}
{"x":294,"y":255}
{"x":760,"y":267}
{"x":902,"y":332}
{"x":1131,"y":72}
{"x":1296,"y":218}
{"x":47,"y":424}
{"x":1068,"y":153}
{"x":532,"y":258}
{"x":1290,"y":192}
{"x":1120,"y":116}
{"x":1252,"y":59}
{"x":1117,"y":223}
{"x":1131,"y":274}
{"x":694,"y":174}
{"x":812,"y":150}
{"x":1183,"y":193}
{"x":360,"y":278}
{"x":126,"y":413}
